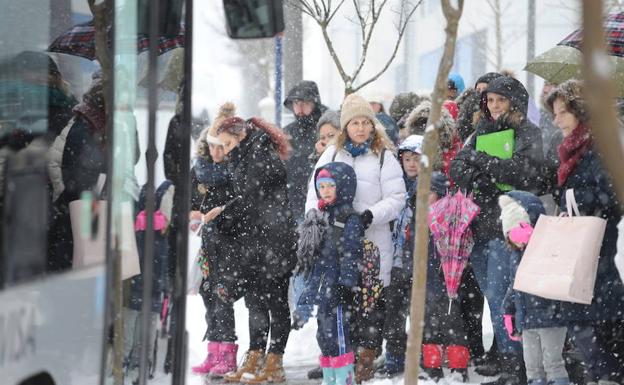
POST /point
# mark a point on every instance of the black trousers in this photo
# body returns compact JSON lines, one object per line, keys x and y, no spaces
{"x":472,"y":312}
{"x":267,"y":302}
{"x":219,"y":315}
{"x":397,"y":303}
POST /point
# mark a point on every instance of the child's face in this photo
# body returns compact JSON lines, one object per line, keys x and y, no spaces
{"x":411,"y":164}
{"x":216,"y":152}
{"x":327,"y":191}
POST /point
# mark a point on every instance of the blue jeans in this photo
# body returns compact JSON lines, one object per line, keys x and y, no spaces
{"x":490,"y":262}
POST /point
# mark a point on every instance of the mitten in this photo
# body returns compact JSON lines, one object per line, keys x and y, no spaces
{"x":367,"y":218}
{"x":510,"y":326}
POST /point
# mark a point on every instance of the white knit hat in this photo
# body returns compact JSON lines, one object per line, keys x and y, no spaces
{"x":512,"y":213}
{"x":354,"y":106}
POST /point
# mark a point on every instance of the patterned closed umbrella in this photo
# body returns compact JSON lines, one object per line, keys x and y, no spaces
{"x":79,"y":40}
{"x":449,"y":221}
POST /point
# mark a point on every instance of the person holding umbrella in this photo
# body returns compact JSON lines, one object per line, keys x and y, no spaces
{"x":505,"y":153}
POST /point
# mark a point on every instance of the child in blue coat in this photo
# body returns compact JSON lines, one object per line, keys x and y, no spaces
{"x":330,"y":247}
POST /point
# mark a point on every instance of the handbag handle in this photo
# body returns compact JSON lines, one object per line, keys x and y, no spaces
{"x":571,"y":203}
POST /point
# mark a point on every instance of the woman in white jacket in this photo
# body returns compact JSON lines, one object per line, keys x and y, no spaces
{"x":380,"y":195}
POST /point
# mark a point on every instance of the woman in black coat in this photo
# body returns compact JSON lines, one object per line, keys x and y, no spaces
{"x":262,"y":222}
{"x":593,"y":326}
{"x":503,"y":106}
{"x":222,"y":277}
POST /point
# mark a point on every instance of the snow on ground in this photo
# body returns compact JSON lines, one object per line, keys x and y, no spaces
{"x":301,"y":354}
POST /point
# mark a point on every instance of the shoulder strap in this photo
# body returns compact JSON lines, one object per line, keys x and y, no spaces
{"x":335,"y":153}
{"x":382,"y":156}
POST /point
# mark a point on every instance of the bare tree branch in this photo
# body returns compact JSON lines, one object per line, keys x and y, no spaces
{"x":331,"y":16}
{"x":369,"y":35}
{"x":394,"y":52}
{"x":368,"y":15}
{"x":332,"y":52}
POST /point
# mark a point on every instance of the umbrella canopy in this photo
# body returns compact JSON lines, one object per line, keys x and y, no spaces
{"x":565,"y":60}
{"x":449,"y":220}
{"x":79,"y":40}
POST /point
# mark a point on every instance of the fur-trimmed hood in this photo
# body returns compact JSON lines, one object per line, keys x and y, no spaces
{"x":417,"y":123}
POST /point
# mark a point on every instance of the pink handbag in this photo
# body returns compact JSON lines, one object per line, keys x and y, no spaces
{"x":561,"y":258}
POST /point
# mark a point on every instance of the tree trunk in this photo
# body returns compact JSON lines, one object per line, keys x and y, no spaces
{"x":417,"y":310}
{"x":601,"y":95}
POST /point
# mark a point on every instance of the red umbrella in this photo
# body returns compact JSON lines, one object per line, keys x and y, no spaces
{"x":449,"y":220}
{"x":79,"y":40}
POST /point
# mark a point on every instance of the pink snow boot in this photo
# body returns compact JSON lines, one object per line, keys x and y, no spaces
{"x":226,"y":361}
{"x":210,"y":361}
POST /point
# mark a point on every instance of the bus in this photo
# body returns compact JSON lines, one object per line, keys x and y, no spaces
{"x":79,"y":83}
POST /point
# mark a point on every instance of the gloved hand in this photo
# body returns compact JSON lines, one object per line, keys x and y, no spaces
{"x":510,"y":326}
{"x":484,"y":186}
{"x":300,"y":316}
{"x":367,"y":218}
{"x":484,"y":160}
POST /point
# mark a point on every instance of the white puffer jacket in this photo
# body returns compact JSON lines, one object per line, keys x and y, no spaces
{"x":379,"y":189}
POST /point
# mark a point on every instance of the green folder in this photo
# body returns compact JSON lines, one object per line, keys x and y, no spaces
{"x":499,"y":144}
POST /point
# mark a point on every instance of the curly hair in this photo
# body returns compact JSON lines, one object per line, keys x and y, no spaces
{"x":571,"y":94}
{"x":236,"y":126}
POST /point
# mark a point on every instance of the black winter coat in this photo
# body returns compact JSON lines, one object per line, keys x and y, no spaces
{"x":261,"y":219}
{"x":595,"y":196}
{"x":210,"y":188}
{"x":303,"y":137}
{"x":478,"y":172}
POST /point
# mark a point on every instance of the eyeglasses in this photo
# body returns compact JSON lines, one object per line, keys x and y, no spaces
{"x":361,"y":123}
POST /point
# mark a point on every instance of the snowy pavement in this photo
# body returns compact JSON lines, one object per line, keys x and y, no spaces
{"x":301,"y":353}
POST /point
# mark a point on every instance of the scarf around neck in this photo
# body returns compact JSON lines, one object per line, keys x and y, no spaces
{"x":571,"y":150}
{"x":359,"y":149}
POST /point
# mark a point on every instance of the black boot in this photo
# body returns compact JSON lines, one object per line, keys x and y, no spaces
{"x":433,"y":374}
{"x":488,"y":365}
{"x":513,"y":371}
{"x":315,"y":373}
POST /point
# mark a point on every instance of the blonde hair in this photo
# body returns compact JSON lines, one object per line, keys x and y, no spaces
{"x":227,"y":110}
{"x":381,"y":141}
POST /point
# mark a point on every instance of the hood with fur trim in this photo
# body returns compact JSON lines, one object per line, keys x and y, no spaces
{"x":417,"y":123}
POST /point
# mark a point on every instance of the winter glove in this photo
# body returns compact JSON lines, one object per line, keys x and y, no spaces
{"x":484,"y":186}
{"x":485,"y":161}
{"x":510,"y":326}
{"x":367,"y":218}
{"x":301,"y":316}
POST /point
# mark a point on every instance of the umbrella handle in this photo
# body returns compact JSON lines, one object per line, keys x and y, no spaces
{"x":450,"y":304}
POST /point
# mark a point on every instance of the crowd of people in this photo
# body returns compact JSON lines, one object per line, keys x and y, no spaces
{"x":326,"y":206}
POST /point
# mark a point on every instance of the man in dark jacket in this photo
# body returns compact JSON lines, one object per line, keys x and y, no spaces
{"x":304,"y":101}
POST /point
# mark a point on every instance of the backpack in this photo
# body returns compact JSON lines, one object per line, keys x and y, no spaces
{"x":369,"y":283}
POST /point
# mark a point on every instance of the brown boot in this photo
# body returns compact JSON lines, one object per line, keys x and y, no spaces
{"x":271,"y":373}
{"x":253,"y":361}
{"x":364,"y":369}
